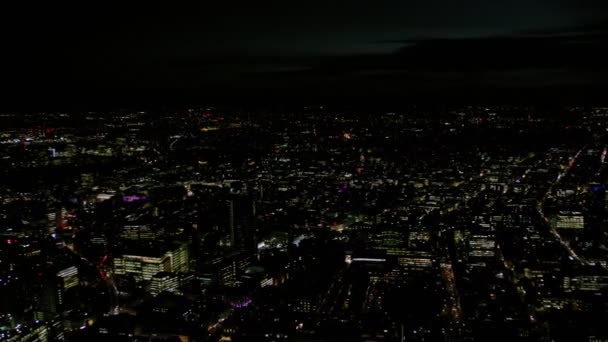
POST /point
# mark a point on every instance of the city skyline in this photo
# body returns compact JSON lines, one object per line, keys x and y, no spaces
{"x":306,"y":171}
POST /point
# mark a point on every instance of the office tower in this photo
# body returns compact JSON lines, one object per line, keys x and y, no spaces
{"x":241,"y":222}
{"x":163,"y":281}
{"x":179,"y":258}
{"x":143,"y":262}
{"x":51,"y":299}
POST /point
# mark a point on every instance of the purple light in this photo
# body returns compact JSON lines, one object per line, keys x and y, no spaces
{"x":241,"y":304}
{"x":134,"y":198}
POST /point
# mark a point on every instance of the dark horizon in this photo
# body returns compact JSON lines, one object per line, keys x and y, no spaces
{"x":154,"y":99}
{"x":480,"y":52}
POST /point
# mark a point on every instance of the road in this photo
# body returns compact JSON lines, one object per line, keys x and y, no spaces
{"x":541,"y":203}
{"x":108,"y":280}
{"x":453,"y":304}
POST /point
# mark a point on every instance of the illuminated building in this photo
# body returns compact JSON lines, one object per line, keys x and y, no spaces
{"x":145,"y":264}
{"x":266,"y":282}
{"x":69,"y":277}
{"x":416,"y":260}
{"x":52,"y":292}
{"x":179,"y":258}
{"x":275,"y":240}
{"x":140,"y":232}
{"x":141,"y":267}
{"x":305,"y":294}
{"x":482,"y":245}
{"x":570,"y":220}
{"x":56,"y":218}
{"x":40,"y":332}
{"x":592,"y":283}
{"x":230,"y":269}
{"x":558,"y":303}
{"x":303,"y":305}
{"x":163,"y":281}
{"x":410,"y":263}
{"x":392,"y":242}
{"x":418,"y":238}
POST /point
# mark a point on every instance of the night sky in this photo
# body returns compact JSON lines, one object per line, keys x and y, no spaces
{"x":303,"y":48}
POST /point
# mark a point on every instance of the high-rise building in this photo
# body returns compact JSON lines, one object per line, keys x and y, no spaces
{"x":241,"y":221}
{"x":51,"y":298}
